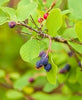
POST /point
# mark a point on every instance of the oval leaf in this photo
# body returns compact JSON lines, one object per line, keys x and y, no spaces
{"x":54,"y":21}
{"x":31,"y":49}
{"x":24,"y":11}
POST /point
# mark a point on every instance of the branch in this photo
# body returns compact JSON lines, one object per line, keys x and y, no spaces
{"x":43,"y":35}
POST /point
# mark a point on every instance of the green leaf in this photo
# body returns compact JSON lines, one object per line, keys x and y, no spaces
{"x":78,"y":75}
{"x":4,"y":17}
{"x":23,"y":3}
{"x":50,"y":87}
{"x":31,"y":49}
{"x":69,"y":33}
{"x":23,"y":81}
{"x":51,"y":75}
{"x":13,"y":94}
{"x":24,"y":11}
{"x":54,"y":21}
{"x":65,"y":12}
{"x":76,"y":8}
{"x":78,"y":29}
{"x":11,"y":12}
{"x":2,"y":2}
{"x":76,"y":46}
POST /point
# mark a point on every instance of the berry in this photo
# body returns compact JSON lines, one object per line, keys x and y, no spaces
{"x":62,"y":70}
{"x":47,"y":67}
{"x":41,"y":53}
{"x":39,"y":64}
{"x":79,"y":63}
{"x":44,"y":60}
{"x":31,"y":79}
{"x":65,"y":69}
{"x":70,"y":54}
{"x":46,"y":15}
{"x":12,"y":24}
{"x":40,"y":19}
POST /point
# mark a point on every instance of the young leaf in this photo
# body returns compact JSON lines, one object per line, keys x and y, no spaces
{"x":31,"y":49}
{"x":78,"y":29}
{"x":54,"y":21}
{"x":24,"y":11}
{"x":51,"y":75}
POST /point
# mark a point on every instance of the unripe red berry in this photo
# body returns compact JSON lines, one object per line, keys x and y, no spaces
{"x":31,"y":79}
{"x":46,"y":15}
{"x":40,"y":19}
{"x":12,"y":24}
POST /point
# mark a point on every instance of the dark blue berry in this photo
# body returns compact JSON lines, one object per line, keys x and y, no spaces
{"x":12,"y":24}
{"x":47,"y":67}
{"x":44,"y":55}
{"x":79,"y":63}
{"x":44,"y":60}
{"x":39,"y":64}
{"x":70,"y":54}
{"x":41,"y":53}
{"x":67,"y":67}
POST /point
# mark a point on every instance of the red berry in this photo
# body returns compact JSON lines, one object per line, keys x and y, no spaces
{"x":40,"y":19}
{"x":46,"y":15}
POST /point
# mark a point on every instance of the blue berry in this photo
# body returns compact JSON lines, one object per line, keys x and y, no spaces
{"x":79,"y":63}
{"x":70,"y":54}
{"x":67,"y":67}
{"x":41,"y":53}
{"x":44,"y":60}
{"x":12,"y":24}
{"x":39,"y":64}
{"x":47,"y":67}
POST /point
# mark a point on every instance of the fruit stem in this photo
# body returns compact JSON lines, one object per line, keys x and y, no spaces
{"x":49,"y":48}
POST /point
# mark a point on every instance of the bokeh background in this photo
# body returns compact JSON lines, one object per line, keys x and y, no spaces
{"x":14,"y":71}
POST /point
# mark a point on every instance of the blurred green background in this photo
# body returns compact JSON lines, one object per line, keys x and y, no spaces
{"x":14,"y":72}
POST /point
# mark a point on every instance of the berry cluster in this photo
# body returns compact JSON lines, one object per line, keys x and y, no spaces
{"x":40,"y":20}
{"x":65,"y":69}
{"x":43,"y":62}
{"x":12,"y":24}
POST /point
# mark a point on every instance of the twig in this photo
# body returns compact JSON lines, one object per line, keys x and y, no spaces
{"x":52,"y":5}
{"x":76,"y":41}
{"x":32,"y":20}
{"x":49,"y":48}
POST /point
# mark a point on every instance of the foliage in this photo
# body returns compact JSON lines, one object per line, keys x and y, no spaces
{"x":59,"y":35}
